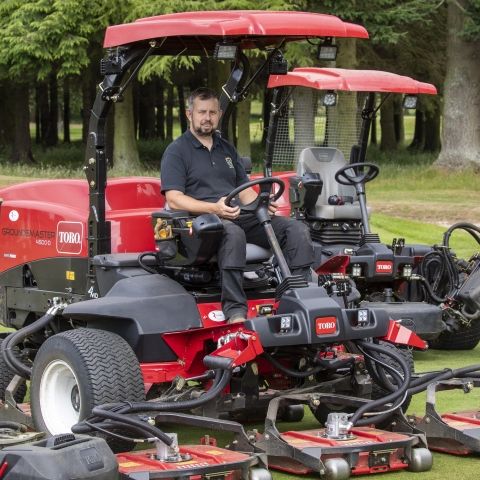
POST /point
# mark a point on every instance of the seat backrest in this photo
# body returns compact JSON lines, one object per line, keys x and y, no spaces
{"x":327,"y":161}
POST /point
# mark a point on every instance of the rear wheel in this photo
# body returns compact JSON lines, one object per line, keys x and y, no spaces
{"x":77,"y":370}
{"x":378,"y":392}
{"x":465,"y":339}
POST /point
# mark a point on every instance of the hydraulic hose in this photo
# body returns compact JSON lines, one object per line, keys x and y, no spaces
{"x":323,"y":365}
{"x":14,"y":339}
{"x":468,"y":227}
{"x":399,"y":394}
{"x":376,"y":368}
{"x":124,"y":421}
{"x":222,"y":378}
{"x":13,"y":426}
{"x":146,"y":430}
{"x":292,"y":373}
{"x":143,"y":265}
{"x":116,"y":413}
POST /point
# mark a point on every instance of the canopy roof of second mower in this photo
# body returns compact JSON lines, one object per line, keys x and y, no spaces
{"x":350,"y":80}
{"x":189,"y":32}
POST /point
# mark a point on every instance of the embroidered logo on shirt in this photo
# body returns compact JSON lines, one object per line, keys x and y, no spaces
{"x":229,"y":162}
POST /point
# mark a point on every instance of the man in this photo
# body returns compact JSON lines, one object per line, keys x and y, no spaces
{"x":198,"y":171}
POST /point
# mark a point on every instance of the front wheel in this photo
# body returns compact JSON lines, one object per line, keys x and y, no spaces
{"x":466,"y":339}
{"x":77,"y":370}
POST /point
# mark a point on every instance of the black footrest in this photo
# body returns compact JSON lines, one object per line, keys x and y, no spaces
{"x":294,"y":281}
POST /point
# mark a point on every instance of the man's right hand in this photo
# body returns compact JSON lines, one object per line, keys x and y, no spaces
{"x":222,"y":210}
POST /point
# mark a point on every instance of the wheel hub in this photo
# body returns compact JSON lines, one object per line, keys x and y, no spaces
{"x":75,"y":397}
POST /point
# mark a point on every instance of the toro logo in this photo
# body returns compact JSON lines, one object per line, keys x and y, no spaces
{"x":384,"y":266}
{"x":69,"y":237}
{"x":325,"y":325}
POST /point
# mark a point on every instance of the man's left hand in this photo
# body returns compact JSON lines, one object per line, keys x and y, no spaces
{"x":272,"y":207}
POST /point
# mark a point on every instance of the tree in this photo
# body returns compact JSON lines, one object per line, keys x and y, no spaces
{"x":461,"y":111}
{"x":38,"y":39}
{"x":125,"y":152}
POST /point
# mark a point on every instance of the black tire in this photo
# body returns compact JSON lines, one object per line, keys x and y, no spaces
{"x":77,"y":370}
{"x":465,"y":339}
{"x":378,"y":392}
{"x":6,"y":376}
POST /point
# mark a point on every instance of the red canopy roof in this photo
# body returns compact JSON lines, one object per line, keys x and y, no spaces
{"x":350,"y":80}
{"x":236,"y":23}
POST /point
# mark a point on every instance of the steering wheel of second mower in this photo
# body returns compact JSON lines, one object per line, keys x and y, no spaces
{"x":260,"y":205}
{"x":344,"y":178}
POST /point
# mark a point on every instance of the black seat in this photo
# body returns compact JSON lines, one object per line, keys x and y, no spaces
{"x":198,"y":238}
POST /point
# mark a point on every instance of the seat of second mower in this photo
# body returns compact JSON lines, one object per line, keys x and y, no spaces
{"x":327,"y":161}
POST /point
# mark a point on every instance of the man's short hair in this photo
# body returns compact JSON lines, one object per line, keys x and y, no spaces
{"x":203,"y":93}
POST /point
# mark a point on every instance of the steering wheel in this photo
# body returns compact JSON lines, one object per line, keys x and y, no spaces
{"x":260,"y":205}
{"x":360,"y":178}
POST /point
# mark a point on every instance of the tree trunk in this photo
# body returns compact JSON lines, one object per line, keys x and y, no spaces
{"x":344,"y":115}
{"x":218,"y":73}
{"x":347,"y":53}
{"x":87,"y":102}
{"x":51,"y":138}
{"x":373,"y":133}
{"x":398,"y":120}
{"x":243,"y":121}
{"x":7,"y":131}
{"x":419,"y":132}
{"x":125,"y":152}
{"x":389,"y":140}
{"x":146,"y":109}
{"x":22,"y":151}
{"x":461,"y":110}
{"x":160,"y":106}
{"x":432,"y":128}
{"x":135,"y":88}
{"x":38,"y":136}
{"x":44,"y":110}
{"x":303,"y":125}
{"x":181,"y":109}
{"x":66,"y":110}
{"x":169,"y":116}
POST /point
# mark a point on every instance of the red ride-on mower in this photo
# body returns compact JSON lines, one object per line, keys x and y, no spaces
{"x":117,"y":318}
{"x":104,"y":317}
{"x":328,"y":113}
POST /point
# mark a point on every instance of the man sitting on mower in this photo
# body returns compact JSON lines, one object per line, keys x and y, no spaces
{"x":198,"y":171}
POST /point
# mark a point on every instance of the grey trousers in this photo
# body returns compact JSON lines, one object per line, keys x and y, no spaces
{"x":293,"y":237}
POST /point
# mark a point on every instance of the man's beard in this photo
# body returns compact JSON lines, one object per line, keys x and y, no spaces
{"x":198,"y":130}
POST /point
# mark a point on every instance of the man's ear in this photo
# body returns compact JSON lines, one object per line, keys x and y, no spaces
{"x":220,"y":113}
{"x":188,"y":114}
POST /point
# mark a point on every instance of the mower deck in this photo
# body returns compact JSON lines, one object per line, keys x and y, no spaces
{"x":367,"y":450}
{"x":198,"y":461}
{"x":456,"y":433}
{"x":364,"y":450}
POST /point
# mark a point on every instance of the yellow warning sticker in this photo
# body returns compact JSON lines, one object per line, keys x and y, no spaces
{"x":190,"y":462}
{"x":130,"y":464}
{"x":296,"y":440}
{"x":455,"y":422}
{"x":215,"y":452}
{"x":70,"y":275}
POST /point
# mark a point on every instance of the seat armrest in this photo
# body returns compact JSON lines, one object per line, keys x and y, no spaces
{"x":170,"y":214}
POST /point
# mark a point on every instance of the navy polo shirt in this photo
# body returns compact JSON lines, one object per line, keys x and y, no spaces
{"x":208,"y":175}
